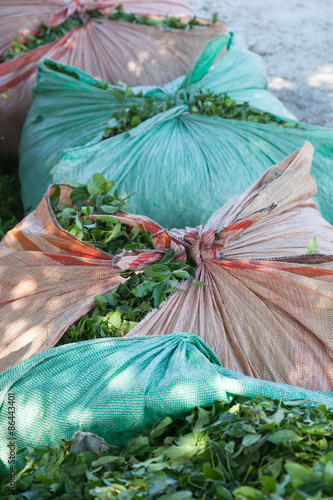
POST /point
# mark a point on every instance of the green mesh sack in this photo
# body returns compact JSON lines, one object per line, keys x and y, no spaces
{"x":120,"y":387}
{"x":182,"y":165}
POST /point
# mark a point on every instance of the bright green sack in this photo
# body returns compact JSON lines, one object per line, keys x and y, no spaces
{"x":117,"y":388}
{"x":182,"y":166}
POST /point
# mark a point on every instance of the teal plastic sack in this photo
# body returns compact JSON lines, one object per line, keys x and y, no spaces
{"x":120,"y":387}
{"x":182,"y":166}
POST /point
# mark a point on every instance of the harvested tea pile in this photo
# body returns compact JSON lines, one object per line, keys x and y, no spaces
{"x":48,"y":34}
{"x":120,"y":387}
{"x":201,"y":103}
{"x":106,"y":269}
{"x":137,"y":42}
{"x":262,"y":270}
{"x":239,"y":451}
{"x":116,"y":313}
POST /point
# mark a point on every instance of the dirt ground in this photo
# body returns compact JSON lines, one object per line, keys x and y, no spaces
{"x":295,"y":39}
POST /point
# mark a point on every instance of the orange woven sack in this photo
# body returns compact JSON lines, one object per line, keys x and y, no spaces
{"x":109,"y":50}
{"x":267,"y":311}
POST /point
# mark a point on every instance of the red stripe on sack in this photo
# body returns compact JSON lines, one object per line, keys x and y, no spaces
{"x":31,"y":58}
{"x":265,"y":266}
{"x":78,"y":260}
{"x":25,"y":243}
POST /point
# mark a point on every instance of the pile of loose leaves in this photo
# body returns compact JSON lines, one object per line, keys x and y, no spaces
{"x":166,"y":22}
{"x":211,"y":104}
{"x":44,"y":34}
{"x":251,"y":449}
{"x":117,"y":312}
{"x":11,"y":209}
{"x":204,"y":103}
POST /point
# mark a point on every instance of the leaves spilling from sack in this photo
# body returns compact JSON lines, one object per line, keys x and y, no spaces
{"x":45,"y":34}
{"x":260,"y":449}
{"x":117,"y":312}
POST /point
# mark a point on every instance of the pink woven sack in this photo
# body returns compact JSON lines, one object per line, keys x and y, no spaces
{"x":108,"y":50}
{"x":267,"y":311}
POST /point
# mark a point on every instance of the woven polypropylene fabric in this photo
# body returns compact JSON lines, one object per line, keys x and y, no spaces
{"x":182,"y":166}
{"x":120,"y":387}
{"x":267,"y":297}
{"x":49,"y":278}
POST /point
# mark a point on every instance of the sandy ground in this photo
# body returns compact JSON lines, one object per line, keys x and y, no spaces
{"x":295,"y":39}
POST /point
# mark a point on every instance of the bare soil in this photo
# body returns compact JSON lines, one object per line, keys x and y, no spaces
{"x":295,"y":39}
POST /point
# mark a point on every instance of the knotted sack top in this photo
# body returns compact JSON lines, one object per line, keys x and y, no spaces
{"x":266,"y":297}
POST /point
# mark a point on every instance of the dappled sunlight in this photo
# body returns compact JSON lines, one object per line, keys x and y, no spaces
{"x":121,"y":379}
{"x":278,"y":83}
{"x":133,"y":67}
{"x":14,"y":354}
{"x":55,"y":303}
{"x":79,"y":414}
{"x":24,"y":32}
{"x":323,"y":78}
{"x":32,"y":416}
{"x":192,"y":393}
{"x":25,"y":287}
{"x":18,"y":325}
{"x":231,"y":385}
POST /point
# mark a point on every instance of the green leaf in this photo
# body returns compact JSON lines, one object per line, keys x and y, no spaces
{"x":79,"y":195}
{"x":211,"y":473}
{"x":245,"y":492}
{"x":180,"y":495}
{"x":109,"y":209}
{"x":72,"y":183}
{"x":186,"y":448}
{"x":55,"y":196}
{"x":93,"y":189}
{"x":78,"y":222}
{"x":311,"y":488}
{"x":182,"y":274}
{"x":160,"y":428}
{"x":328,"y":474}
{"x":278,"y":416}
{"x":300,"y":474}
{"x":107,"y":186}
{"x":101,"y":299}
{"x":284,"y":437}
{"x":119,"y":94}
{"x":199,"y":283}
{"x":135,"y":121}
{"x":105,"y":460}
{"x":143,"y":289}
{"x":99,"y":180}
{"x":268,"y":483}
{"x":158,"y":294}
{"x":221,"y":492}
{"x":250,"y":439}
{"x":25,"y":482}
{"x":107,"y":218}
{"x":312,"y":248}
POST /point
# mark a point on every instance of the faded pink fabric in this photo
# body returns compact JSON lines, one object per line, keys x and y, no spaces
{"x":266,"y":308}
{"x":49,"y":278}
{"x":267,"y":311}
{"x":108,"y":50}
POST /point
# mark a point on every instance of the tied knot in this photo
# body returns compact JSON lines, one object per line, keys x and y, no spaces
{"x":202,"y":244}
{"x":81,"y":8}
